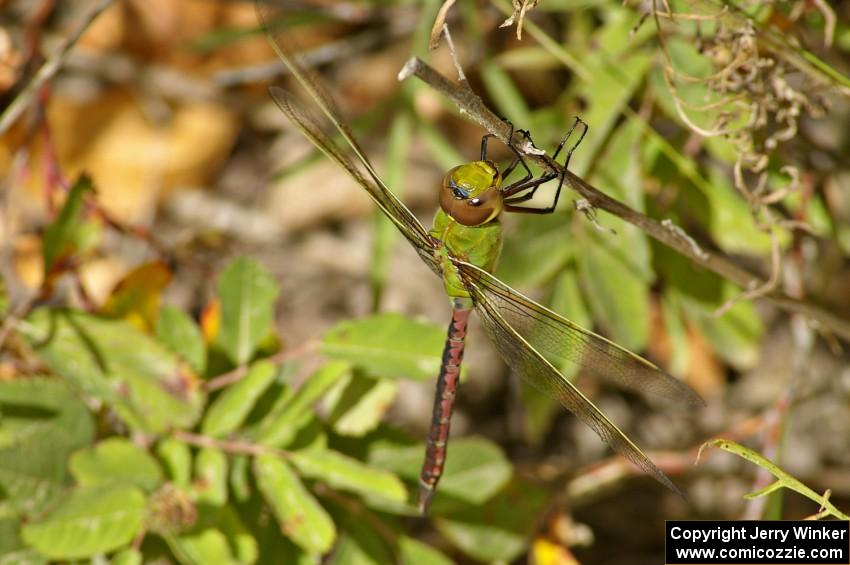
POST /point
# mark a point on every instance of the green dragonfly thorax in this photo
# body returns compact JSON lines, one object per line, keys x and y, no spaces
{"x":470,"y":193}
{"x":479,"y":245}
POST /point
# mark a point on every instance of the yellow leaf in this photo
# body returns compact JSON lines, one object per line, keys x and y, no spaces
{"x":136,"y":297}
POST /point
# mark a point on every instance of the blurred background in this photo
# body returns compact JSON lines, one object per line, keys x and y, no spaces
{"x":730,"y":120}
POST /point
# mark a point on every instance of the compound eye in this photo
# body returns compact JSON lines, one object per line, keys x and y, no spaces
{"x":457,"y":191}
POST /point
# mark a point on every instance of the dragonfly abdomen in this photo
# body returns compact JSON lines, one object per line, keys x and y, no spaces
{"x":444,"y":397}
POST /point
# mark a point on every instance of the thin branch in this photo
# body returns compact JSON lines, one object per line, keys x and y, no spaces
{"x":470,"y":104}
{"x":239,"y":372}
{"x":49,"y":68}
{"x":235,"y":447}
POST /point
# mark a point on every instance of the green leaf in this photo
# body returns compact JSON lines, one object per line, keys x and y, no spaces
{"x":414,"y":552}
{"x":536,"y":251}
{"x":229,"y":410}
{"x":69,"y":233}
{"x":344,"y":473}
{"x":727,"y":216}
{"x":211,"y":474}
{"x":388,"y":345}
{"x":300,"y":516}
{"x":475,"y":468}
{"x":441,"y":150}
{"x":93,"y":519}
{"x":348,"y":551}
{"x":611,"y":88}
{"x":676,"y":333}
{"x":282,"y":424}
{"x":385,"y":233}
{"x":41,"y":422}
{"x":118,"y":364}
{"x":614,"y":268}
{"x":130,"y":556}
{"x":736,"y":335}
{"x":116,"y":460}
{"x":247,"y":293}
{"x":207,"y":545}
{"x":615,"y":290}
{"x":4,"y":299}
{"x":357,"y":404}
{"x":499,"y":530}
{"x":219,"y":537}
{"x":501,"y":88}
{"x":183,"y":337}
{"x":240,"y":483}
{"x":23,"y":556}
{"x":12,"y":548}
{"x":178,"y":461}
{"x":359,"y":543}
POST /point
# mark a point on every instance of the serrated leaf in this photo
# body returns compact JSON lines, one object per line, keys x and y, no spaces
{"x":178,"y":460}
{"x":116,"y":460}
{"x":358,"y":406}
{"x":229,"y":410}
{"x":41,"y":422}
{"x":247,"y":293}
{"x":183,"y":337}
{"x":115,"y":362}
{"x":282,"y":424}
{"x":499,"y":530}
{"x":344,"y":473}
{"x":211,"y":475}
{"x":93,"y":519}
{"x":388,"y":345}
{"x":475,"y":468}
{"x":301,"y":517}
{"x":414,"y":552}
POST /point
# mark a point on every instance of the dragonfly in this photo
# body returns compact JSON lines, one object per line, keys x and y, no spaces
{"x":462,"y":248}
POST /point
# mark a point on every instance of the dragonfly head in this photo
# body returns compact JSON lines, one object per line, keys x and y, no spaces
{"x":470,"y":193}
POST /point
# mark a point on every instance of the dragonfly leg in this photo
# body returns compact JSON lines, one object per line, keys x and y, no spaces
{"x":518,"y":159}
{"x":531,"y":187}
{"x":444,"y":397}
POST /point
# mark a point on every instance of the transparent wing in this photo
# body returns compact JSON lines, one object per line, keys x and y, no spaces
{"x":519,"y":327}
{"x":559,"y":339}
{"x":351,"y":158}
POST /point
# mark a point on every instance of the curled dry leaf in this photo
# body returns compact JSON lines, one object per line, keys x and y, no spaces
{"x":439,"y":22}
{"x":521,"y":8}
